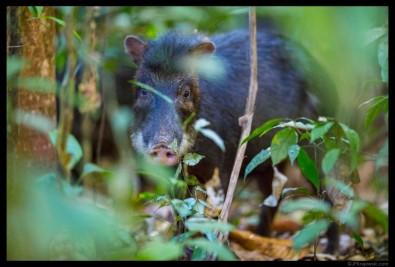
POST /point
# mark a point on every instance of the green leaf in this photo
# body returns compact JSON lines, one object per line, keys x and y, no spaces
{"x":57,"y":20}
{"x":329,"y":160}
{"x":294,"y":191}
{"x":350,"y":215}
{"x":210,"y":134}
{"x":377,"y":215}
{"x":378,"y":105}
{"x":320,"y":131}
{"x":308,"y":168}
{"x":263,"y":129}
{"x":39,"y":10}
{"x":90,"y":168}
{"x":38,"y":84}
{"x":343,"y":188}
{"x":160,"y":251}
{"x":382,"y":55}
{"x":152,"y":90}
{"x":191,"y":180}
{"x":220,"y":250}
{"x":354,"y":143}
{"x":382,"y":156}
{"x":73,"y":148}
{"x":309,"y":233}
{"x":182,"y":208}
{"x":257,"y":160}
{"x":305,"y":203}
{"x":205,"y":224}
{"x":374,"y":34}
{"x":76,"y":34}
{"x":357,"y":238}
{"x":147,"y":196}
{"x":293,"y":152}
{"x":33,"y":10}
{"x":14,"y":65}
{"x":191,"y":159}
{"x":199,"y":254}
{"x":281,"y":141}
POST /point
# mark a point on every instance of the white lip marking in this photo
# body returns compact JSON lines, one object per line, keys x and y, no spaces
{"x":137,"y":141}
{"x":187,"y":143}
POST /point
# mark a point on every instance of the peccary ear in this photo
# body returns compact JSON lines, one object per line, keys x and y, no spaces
{"x":205,"y":46}
{"x":135,"y":47}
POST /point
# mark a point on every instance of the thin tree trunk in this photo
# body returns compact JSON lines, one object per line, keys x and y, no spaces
{"x":245,"y":121}
{"x":35,"y":44}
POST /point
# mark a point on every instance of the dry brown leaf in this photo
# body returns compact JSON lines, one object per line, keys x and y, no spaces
{"x":282,"y":226}
{"x":269,"y":248}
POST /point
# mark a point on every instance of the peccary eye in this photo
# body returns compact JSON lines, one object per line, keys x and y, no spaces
{"x":186,"y":92}
{"x":142,"y":92}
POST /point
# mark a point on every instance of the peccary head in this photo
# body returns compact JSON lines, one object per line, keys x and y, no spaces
{"x":161,"y":114}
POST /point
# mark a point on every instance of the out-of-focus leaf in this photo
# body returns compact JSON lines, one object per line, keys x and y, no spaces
{"x":151,"y":90}
{"x":77,"y":35}
{"x":374,"y":34}
{"x":147,"y":196}
{"x":281,"y":142}
{"x":305,"y":204}
{"x":238,"y":11}
{"x":35,"y":121}
{"x":293,"y":152}
{"x":350,"y":214}
{"x":191,"y":159}
{"x":191,"y":180}
{"x":341,"y":187}
{"x":205,"y":224}
{"x":262,"y":129}
{"x":160,"y":250}
{"x":181,"y":208}
{"x":39,"y":84}
{"x":73,"y":148}
{"x":308,"y":168}
{"x":354,"y":142}
{"x":71,"y":190}
{"x":358,"y":239}
{"x":309,"y":233}
{"x":382,"y":55}
{"x":320,"y":131}
{"x":377,"y":105}
{"x":57,"y":20}
{"x":329,"y":160}
{"x":294,"y":191}
{"x":377,"y":215}
{"x":14,"y":65}
{"x":382,"y":156}
{"x":212,"y":247}
{"x":90,"y":168}
{"x":257,"y":160}
{"x":199,"y":254}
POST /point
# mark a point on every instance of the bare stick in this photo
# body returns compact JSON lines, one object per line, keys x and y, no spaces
{"x":244,"y":121}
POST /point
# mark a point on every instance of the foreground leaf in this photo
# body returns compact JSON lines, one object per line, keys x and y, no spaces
{"x":308,"y":168}
{"x":329,"y":160}
{"x":217,"y":248}
{"x":281,"y":141}
{"x":309,"y":233}
{"x":263,"y":129}
{"x":258,"y":159}
{"x":160,"y":250}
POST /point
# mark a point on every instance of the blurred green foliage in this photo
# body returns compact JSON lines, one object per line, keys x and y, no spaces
{"x":49,"y":218}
